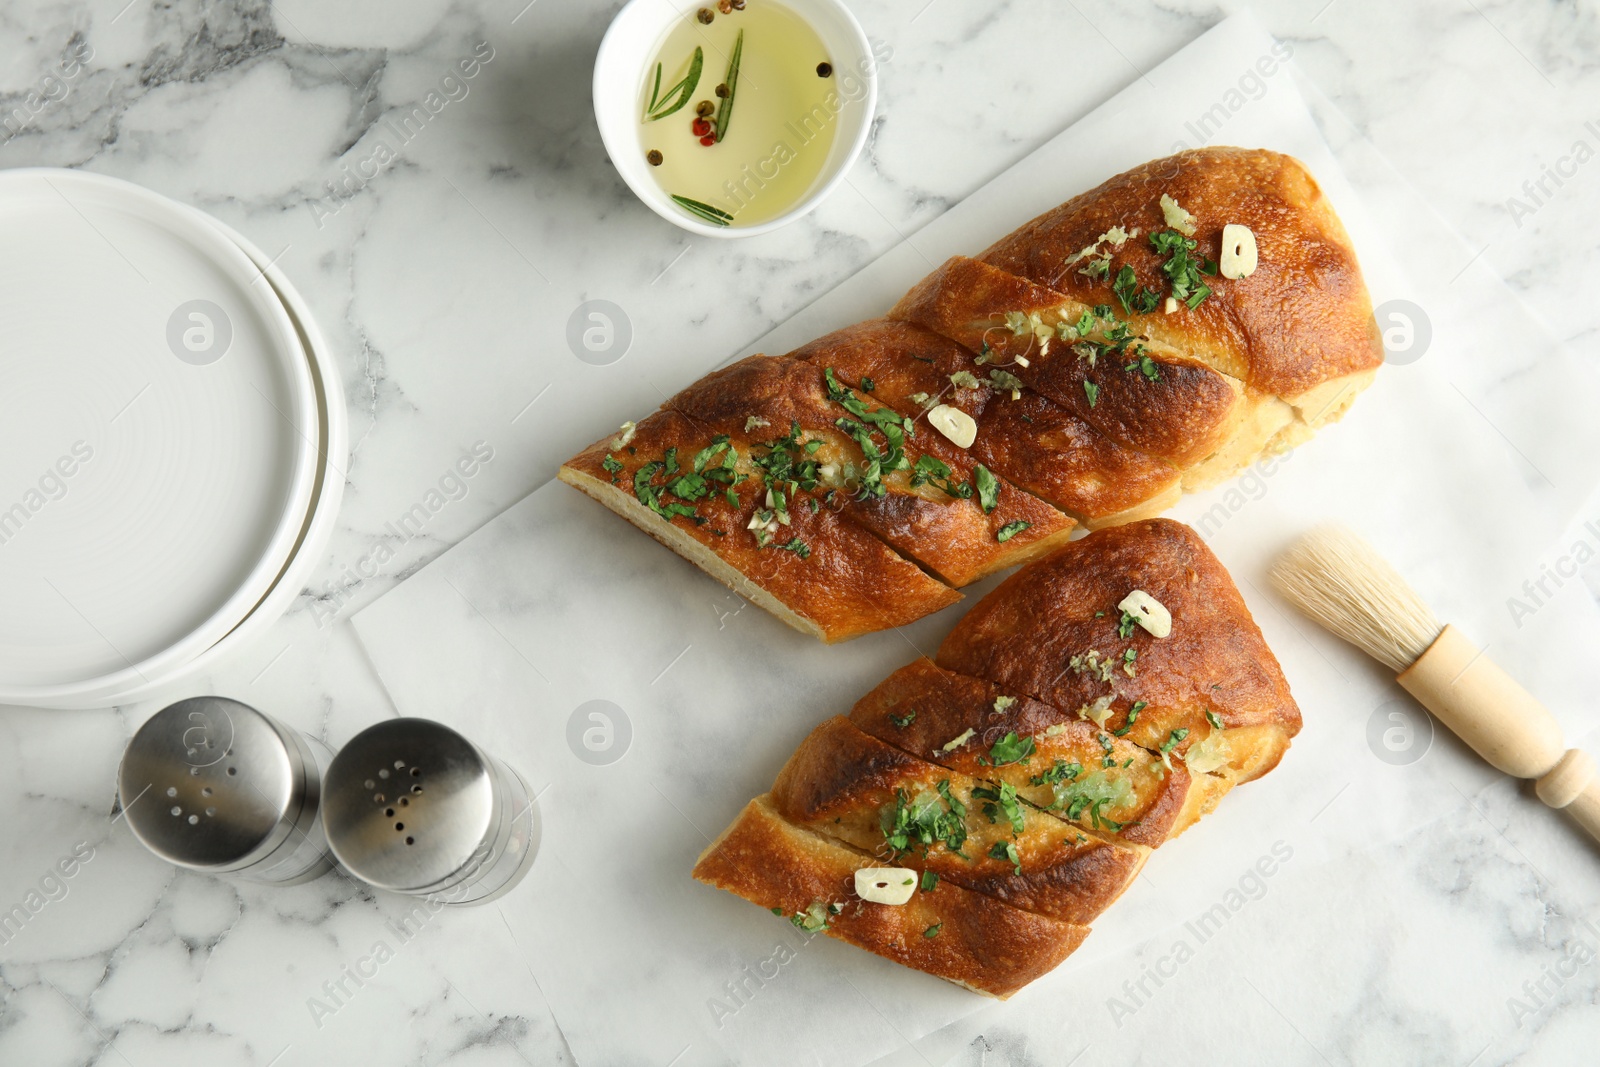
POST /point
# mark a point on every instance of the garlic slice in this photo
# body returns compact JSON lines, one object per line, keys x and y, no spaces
{"x":621,"y":440}
{"x":1238,"y":252}
{"x":886,"y":885}
{"x":1148,"y":612}
{"x":954,"y":423}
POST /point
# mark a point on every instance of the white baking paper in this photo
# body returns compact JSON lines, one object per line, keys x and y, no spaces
{"x":1463,"y":464}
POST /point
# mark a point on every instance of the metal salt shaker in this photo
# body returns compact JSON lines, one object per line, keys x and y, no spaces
{"x":215,"y":785}
{"x":413,"y":807}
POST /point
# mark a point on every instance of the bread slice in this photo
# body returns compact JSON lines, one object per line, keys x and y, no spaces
{"x":1171,"y":405}
{"x":849,"y":582}
{"x":1028,"y":440}
{"x":848,"y":785}
{"x":1051,"y":452}
{"x":952,"y":933}
{"x":910,"y":367}
{"x":1096,"y":780}
{"x":1053,"y":631}
{"x":921,"y":512}
{"x":1301,"y":320}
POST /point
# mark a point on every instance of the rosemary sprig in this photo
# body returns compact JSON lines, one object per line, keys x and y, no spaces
{"x":679,"y":94}
{"x":725,"y":112}
{"x":715,"y":216}
{"x":655,"y":92}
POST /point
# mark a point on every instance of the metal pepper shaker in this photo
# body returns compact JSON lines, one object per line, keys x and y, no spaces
{"x":413,"y":807}
{"x":214,"y":785}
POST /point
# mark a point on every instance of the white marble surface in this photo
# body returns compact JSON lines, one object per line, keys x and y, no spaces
{"x":446,"y":283}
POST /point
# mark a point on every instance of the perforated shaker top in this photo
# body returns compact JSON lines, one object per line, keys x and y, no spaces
{"x":210,"y":783}
{"x":408,"y":805}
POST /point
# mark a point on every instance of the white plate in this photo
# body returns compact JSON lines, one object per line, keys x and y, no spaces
{"x":334,"y":455}
{"x":152,"y":488}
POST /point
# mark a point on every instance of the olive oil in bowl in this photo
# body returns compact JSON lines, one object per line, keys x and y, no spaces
{"x":740,"y":111}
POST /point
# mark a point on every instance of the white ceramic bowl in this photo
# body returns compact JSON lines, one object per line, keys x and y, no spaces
{"x":629,"y":50}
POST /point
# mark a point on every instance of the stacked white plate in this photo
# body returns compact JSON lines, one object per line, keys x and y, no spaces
{"x":173,"y":440}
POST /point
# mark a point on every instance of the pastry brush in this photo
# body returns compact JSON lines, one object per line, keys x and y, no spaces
{"x":1342,"y":583}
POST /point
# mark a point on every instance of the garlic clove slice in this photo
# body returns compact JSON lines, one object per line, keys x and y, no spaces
{"x":886,"y":885}
{"x":1239,"y":256}
{"x":954,"y":423}
{"x":1148,"y":612}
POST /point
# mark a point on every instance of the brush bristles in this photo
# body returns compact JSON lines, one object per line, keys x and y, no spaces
{"x":1337,"y":579}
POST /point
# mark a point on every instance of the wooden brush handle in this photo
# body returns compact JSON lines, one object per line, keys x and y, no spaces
{"x":1484,"y":706}
{"x":1504,"y":723}
{"x":1573,"y":784}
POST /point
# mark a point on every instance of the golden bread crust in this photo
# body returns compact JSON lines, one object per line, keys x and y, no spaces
{"x":1054,"y":454}
{"x":1030,"y":441}
{"x":842,"y":783}
{"x":978,"y":941}
{"x":1182,"y":417}
{"x":902,"y":359}
{"x":1034,"y":635}
{"x":921,"y":708}
{"x":1304,"y":316}
{"x":851,"y":583}
{"x":952,"y":537}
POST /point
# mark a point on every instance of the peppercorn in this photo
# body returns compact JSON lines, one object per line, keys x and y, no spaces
{"x":722,"y":90}
{"x":705,"y":15}
{"x":655,"y":158}
{"x":705,"y":108}
{"x":701,"y":127}
{"x":738,"y":5}
{"x":708,"y":140}
{"x":824,"y":70}
{"x":725,"y":6}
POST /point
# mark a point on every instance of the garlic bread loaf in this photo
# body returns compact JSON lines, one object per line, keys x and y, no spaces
{"x":1151,"y":336}
{"x":1093,"y":706}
